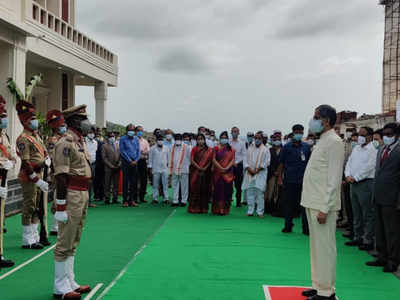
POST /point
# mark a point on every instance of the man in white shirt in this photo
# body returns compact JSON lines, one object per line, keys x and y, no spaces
{"x":321,"y":199}
{"x":92,"y":146}
{"x":360,"y":173}
{"x":158,"y":165}
{"x":179,"y":162}
{"x":256,"y":164}
{"x":240,"y":153}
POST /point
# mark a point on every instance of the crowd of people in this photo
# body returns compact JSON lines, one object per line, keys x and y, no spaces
{"x":348,"y":181}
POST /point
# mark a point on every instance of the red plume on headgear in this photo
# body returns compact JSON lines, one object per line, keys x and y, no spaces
{"x":3,"y":108}
{"x":25,"y":111}
{"x":55,"y":118}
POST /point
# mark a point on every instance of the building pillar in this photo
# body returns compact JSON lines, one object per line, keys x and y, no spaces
{"x":101,"y":94}
{"x":13,"y":65}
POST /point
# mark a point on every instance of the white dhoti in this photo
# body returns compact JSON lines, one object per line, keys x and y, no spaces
{"x":323,"y":252}
{"x":181,"y":181}
{"x":255,"y":195}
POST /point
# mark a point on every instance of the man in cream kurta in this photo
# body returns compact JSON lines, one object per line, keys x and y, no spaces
{"x":321,"y":198}
{"x":256,"y":164}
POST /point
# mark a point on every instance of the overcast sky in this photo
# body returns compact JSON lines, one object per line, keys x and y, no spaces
{"x":257,"y":64}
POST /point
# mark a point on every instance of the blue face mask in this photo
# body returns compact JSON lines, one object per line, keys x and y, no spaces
{"x":187,"y":142}
{"x":140,"y":133}
{"x":297,"y":137}
{"x":131,"y":133}
{"x":34,"y":124}
{"x":316,"y":126}
{"x":224,"y":141}
{"x":249,"y":140}
{"x":258,"y":142}
{"x":277,"y":143}
{"x":62,"y":129}
{"x":4,"y":123}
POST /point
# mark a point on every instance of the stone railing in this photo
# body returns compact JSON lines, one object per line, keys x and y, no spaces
{"x":40,"y":16}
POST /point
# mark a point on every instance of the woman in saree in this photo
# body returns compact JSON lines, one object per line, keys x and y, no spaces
{"x":224,"y":158}
{"x":200,"y":177}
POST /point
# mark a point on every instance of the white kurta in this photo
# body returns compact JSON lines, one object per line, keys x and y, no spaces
{"x":180,"y":171}
{"x":256,"y":158}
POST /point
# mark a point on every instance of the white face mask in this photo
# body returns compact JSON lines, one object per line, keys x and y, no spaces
{"x":169,"y":137}
{"x":91,"y":136}
{"x":361,"y":140}
{"x":376,"y":144}
{"x":178,"y":143}
{"x":160,"y":143}
{"x":388,"y":140}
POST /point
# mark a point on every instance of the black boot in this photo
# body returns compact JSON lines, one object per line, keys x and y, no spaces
{"x":5,"y":263}
{"x":43,"y":238}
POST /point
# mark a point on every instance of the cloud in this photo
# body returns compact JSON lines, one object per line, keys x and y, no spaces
{"x":312,"y":18}
{"x":183,"y":60}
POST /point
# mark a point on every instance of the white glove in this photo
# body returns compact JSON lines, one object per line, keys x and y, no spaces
{"x":42,"y":185}
{"x":48,"y":161}
{"x":8,"y":165}
{"x":61,"y":216}
{"x":3,"y":192}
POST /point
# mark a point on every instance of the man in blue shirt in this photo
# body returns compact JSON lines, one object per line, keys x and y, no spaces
{"x":130,"y":154}
{"x":293,"y":161}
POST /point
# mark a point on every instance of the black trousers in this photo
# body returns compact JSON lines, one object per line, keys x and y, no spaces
{"x":291,"y":199}
{"x":142,"y":178}
{"x":238,"y":172}
{"x":129,"y":183}
{"x":388,"y":234}
{"x":348,"y":207}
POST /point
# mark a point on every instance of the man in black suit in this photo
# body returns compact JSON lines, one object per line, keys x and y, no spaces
{"x":387,"y":200}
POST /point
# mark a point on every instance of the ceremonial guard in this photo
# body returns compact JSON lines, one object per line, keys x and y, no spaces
{"x":7,"y":162}
{"x":33,"y":154}
{"x":55,"y":120}
{"x":72,"y":175}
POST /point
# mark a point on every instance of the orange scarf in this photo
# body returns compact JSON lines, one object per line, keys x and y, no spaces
{"x":171,"y":166}
{"x":228,"y":177}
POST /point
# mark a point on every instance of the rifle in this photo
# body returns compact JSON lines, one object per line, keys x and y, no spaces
{"x":42,"y":212}
{"x":3,"y":263}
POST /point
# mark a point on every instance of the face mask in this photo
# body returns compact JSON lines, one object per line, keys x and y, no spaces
{"x":4,"y":123}
{"x":297,"y":137}
{"x":90,"y":136}
{"x":353,"y":144}
{"x":140,"y":133}
{"x":131,"y":133}
{"x":34,"y":124}
{"x":85,"y":126}
{"x":207,"y":137}
{"x":224,"y":141}
{"x":288,"y":141}
{"x":187,"y":142}
{"x":62,"y":130}
{"x":277,"y":143}
{"x":348,"y":135}
{"x":249,"y":140}
{"x":235,"y":135}
{"x":178,"y":143}
{"x":388,"y":140}
{"x":376,"y":144}
{"x":169,"y":137}
{"x":316,"y":126}
{"x":160,"y":143}
{"x":258,"y":142}
{"x":310,"y":142}
{"x":111,"y":140}
{"x":361,"y":140}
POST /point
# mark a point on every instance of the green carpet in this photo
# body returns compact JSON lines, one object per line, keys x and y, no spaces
{"x":208,"y":257}
{"x":111,"y":237}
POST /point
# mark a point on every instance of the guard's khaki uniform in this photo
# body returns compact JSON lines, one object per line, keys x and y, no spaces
{"x":71,"y":157}
{"x":31,"y":149}
{"x":51,"y":146}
